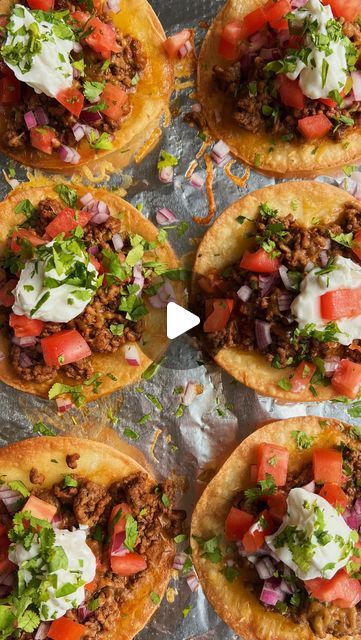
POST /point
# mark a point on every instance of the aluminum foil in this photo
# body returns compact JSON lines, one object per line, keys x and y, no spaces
{"x":193,"y":445}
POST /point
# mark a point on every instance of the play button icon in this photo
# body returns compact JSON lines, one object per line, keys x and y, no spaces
{"x":179,"y":320}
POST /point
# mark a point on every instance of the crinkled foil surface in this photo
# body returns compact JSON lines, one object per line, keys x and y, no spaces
{"x":191,"y":446}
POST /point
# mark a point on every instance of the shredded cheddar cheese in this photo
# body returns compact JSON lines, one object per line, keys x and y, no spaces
{"x":153,"y":444}
{"x":210,"y":195}
{"x":239,"y":181}
{"x":191,"y":169}
{"x":148,"y":145}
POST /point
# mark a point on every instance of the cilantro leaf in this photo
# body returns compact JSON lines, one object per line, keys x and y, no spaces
{"x":92,"y":90}
{"x":131,"y":532}
{"x":166,"y":160}
{"x":68,"y":195}
{"x":302,"y":440}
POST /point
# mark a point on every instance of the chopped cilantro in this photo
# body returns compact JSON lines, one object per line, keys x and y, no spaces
{"x":42,"y":429}
{"x":302,"y":440}
{"x":154,"y":597}
{"x":131,"y":434}
{"x":166,"y":160}
{"x":68,"y":195}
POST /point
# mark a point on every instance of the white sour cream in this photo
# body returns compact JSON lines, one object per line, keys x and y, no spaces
{"x":81,"y":567}
{"x":63,"y":302}
{"x":305,"y":511}
{"x":51,"y":69}
{"x":310,"y":75}
{"x":306,"y":307}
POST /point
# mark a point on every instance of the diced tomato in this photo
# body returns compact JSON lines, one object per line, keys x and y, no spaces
{"x":117,"y":523}
{"x":279,"y":25}
{"x":42,"y":138}
{"x":327,"y":466}
{"x":302,"y":376}
{"x":254,"y":21}
{"x":128,"y":564}
{"x":255,"y":537}
{"x":333,"y":493}
{"x":274,"y":11}
{"x":342,"y":303}
{"x":103,"y":38}
{"x":313,"y":127}
{"x":227,"y":50}
{"x":10,"y":90}
{"x":346,"y":380}
{"x":294,"y":42}
{"x":272,"y":459}
{"x":173,"y":44}
{"x":3,"y":22}
{"x":277,"y":504}
{"x":253,"y":473}
{"x":43,"y":5}
{"x":218,"y":312}
{"x":343,"y":589}
{"x":64,"y":347}
{"x":231,"y":36}
{"x":331,"y":103}
{"x":6,"y":297}
{"x":290,"y":92}
{"x":212,"y":283}
{"x":72,"y":99}
{"x":259,"y":261}
{"x":66,"y":629}
{"x":348,"y":9}
{"x":40,"y":509}
{"x":24,"y":234}
{"x":114,"y":97}
{"x":24,"y":327}
{"x":237,"y":524}
{"x":96,"y":264}
{"x":356,"y":245}
{"x":66,"y":221}
{"x":90,"y":587}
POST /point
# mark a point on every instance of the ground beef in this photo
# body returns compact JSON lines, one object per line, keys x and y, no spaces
{"x":46,"y":211}
{"x":325,"y":620}
{"x":90,"y":503}
{"x":36,"y":477}
{"x":72,"y":460}
{"x":259,"y":108}
{"x":29,"y":365}
{"x":100,"y":235}
{"x":298,"y":248}
{"x":80,"y":370}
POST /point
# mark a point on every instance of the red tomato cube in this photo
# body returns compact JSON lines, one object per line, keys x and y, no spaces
{"x":64,"y":347}
{"x":237,"y":524}
{"x":273,"y":460}
{"x":327,"y":466}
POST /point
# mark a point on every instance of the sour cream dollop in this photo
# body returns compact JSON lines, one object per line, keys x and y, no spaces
{"x":326,"y":68}
{"x":47,"y":69}
{"x":306,"y":307}
{"x":79,"y":565}
{"x":313,"y":539}
{"x":35,"y":298}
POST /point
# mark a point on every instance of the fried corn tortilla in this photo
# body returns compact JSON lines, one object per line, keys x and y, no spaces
{"x":233,"y":601}
{"x":226,"y":241}
{"x":104,"y":465}
{"x":259,"y":150}
{"x":154,"y":333}
{"x":150,"y":100}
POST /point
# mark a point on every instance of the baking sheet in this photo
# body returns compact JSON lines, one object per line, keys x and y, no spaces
{"x":192,"y":445}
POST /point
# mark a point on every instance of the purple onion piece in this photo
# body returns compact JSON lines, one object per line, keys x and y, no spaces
{"x":263,"y":334}
{"x":244,"y":293}
{"x":267,"y":283}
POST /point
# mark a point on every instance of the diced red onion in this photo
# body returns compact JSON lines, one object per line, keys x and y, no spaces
{"x":76,"y":73}
{"x":91,"y":133}
{"x":164,"y":295}
{"x":311,"y":487}
{"x":78,"y":131}
{"x":331,"y":366}
{"x":87,"y":199}
{"x":351,"y":519}
{"x":77,"y":48}
{"x":185,"y":49}
{"x":25,"y":360}
{"x":323,"y":258}
{"x":42,"y":631}
{"x":220,"y":151}
{"x":244,"y":293}
{"x":166,"y":175}
{"x":90,"y":117}
{"x":117,"y":241}
{"x":196,"y":180}
{"x":118,"y":548}
{"x":356,"y":84}
{"x":25,"y":341}
{"x":41,"y":116}
{"x":287,"y":587}
{"x":64,"y":404}
{"x":56,"y":521}
{"x":165,"y":216}
{"x":284,"y":301}
{"x":131,"y":354}
{"x":193,"y":582}
{"x":10,"y":498}
{"x":196,"y":107}
{"x":283,"y":37}
{"x":271,"y":593}
{"x":309,"y":266}
{"x":68,"y":154}
{"x":138,"y":278}
{"x":270,"y":54}
{"x":83,"y":613}
{"x":9,"y":579}
{"x":257,"y":41}
{"x":263,"y":334}
{"x":265,"y":568}
{"x":179,"y":561}
{"x":348,"y":101}
{"x":93,"y":250}
{"x":189,"y":394}
{"x":267,"y":283}
{"x":113,"y":5}
{"x":30,"y":119}
{"x":99,"y":218}
{"x":298,"y":4}
{"x":283,"y":271}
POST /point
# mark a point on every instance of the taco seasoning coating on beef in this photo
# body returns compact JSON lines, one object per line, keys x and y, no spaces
{"x":293,"y":76}
{"x":292,"y":298}
{"x":105,"y":537}
{"x":72,"y":81}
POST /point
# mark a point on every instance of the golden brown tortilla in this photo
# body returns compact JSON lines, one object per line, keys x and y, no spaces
{"x":234,"y":602}
{"x":154,"y":334}
{"x":261,"y":150}
{"x":226,"y":241}
{"x":149,"y":101}
{"x":104,"y":465}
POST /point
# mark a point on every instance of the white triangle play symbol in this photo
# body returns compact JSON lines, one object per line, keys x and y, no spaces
{"x":179,"y":320}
